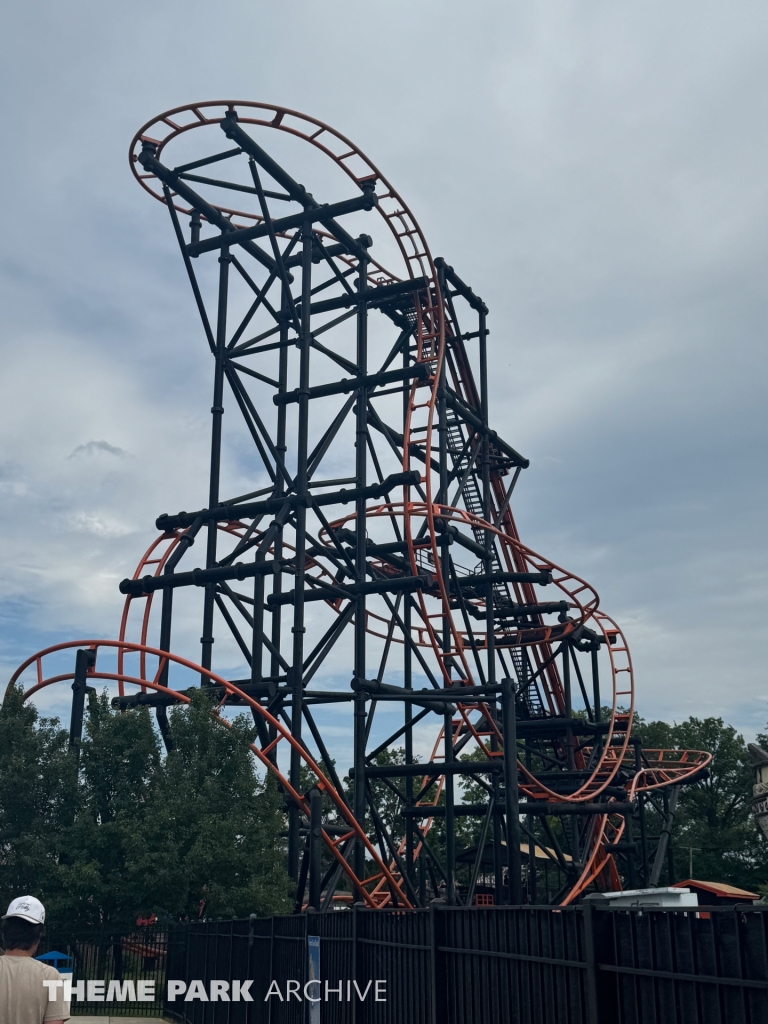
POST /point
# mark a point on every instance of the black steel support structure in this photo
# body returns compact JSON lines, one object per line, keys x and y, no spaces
{"x":380,"y":509}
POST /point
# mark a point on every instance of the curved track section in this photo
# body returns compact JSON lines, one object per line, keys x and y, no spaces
{"x":265,"y":755}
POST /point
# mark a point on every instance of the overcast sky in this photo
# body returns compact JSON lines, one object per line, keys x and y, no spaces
{"x":597,"y":171}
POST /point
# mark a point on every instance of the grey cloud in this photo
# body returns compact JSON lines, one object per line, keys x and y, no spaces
{"x":595,"y":171}
{"x":95,"y":447}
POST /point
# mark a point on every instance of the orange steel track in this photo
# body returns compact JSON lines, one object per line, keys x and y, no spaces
{"x":439,"y":349}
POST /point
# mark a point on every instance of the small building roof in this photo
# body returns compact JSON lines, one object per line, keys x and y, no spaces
{"x":722,"y":889}
{"x":540,"y":853}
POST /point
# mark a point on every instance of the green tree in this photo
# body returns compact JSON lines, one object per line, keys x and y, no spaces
{"x":119,"y":764}
{"x":38,"y":797}
{"x":211,"y":842}
{"x":714,"y":815}
{"x":125,"y":832}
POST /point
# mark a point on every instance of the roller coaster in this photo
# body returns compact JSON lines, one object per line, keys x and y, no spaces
{"x":380,"y":551}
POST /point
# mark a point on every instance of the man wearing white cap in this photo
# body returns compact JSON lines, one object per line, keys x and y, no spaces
{"x":24,"y":999}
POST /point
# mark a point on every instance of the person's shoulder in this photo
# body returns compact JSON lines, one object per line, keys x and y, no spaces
{"x":46,"y":970}
{"x":29,"y":965}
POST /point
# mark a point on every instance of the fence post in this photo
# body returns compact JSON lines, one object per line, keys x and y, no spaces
{"x":271,"y":960}
{"x":249,"y":961}
{"x":439,"y":1007}
{"x":355,"y":955}
{"x":593,"y":1016}
{"x":432,"y":967}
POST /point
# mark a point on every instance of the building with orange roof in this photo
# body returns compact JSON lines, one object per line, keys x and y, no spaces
{"x":717,"y":894}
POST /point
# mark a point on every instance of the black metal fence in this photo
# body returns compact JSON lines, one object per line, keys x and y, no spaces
{"x":119,"y":959}
{"x":527,"y":965}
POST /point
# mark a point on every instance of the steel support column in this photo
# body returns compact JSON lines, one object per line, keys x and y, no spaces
{"x":217,"y":412}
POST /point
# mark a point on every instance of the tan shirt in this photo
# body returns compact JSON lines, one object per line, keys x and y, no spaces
{"x":24,"y":997}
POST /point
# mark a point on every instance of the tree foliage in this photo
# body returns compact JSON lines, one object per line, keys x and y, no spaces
{"x":129,"y":832}
{"x":714,"y":821}
{"x":37,"y":795}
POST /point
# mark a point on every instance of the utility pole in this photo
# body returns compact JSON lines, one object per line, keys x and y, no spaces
{"x":691,"y":851}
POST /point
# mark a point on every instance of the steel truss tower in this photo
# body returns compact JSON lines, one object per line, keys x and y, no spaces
{"x":378,"y":547}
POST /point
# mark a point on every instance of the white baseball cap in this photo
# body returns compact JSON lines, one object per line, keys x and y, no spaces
{"x":28,"y":908}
